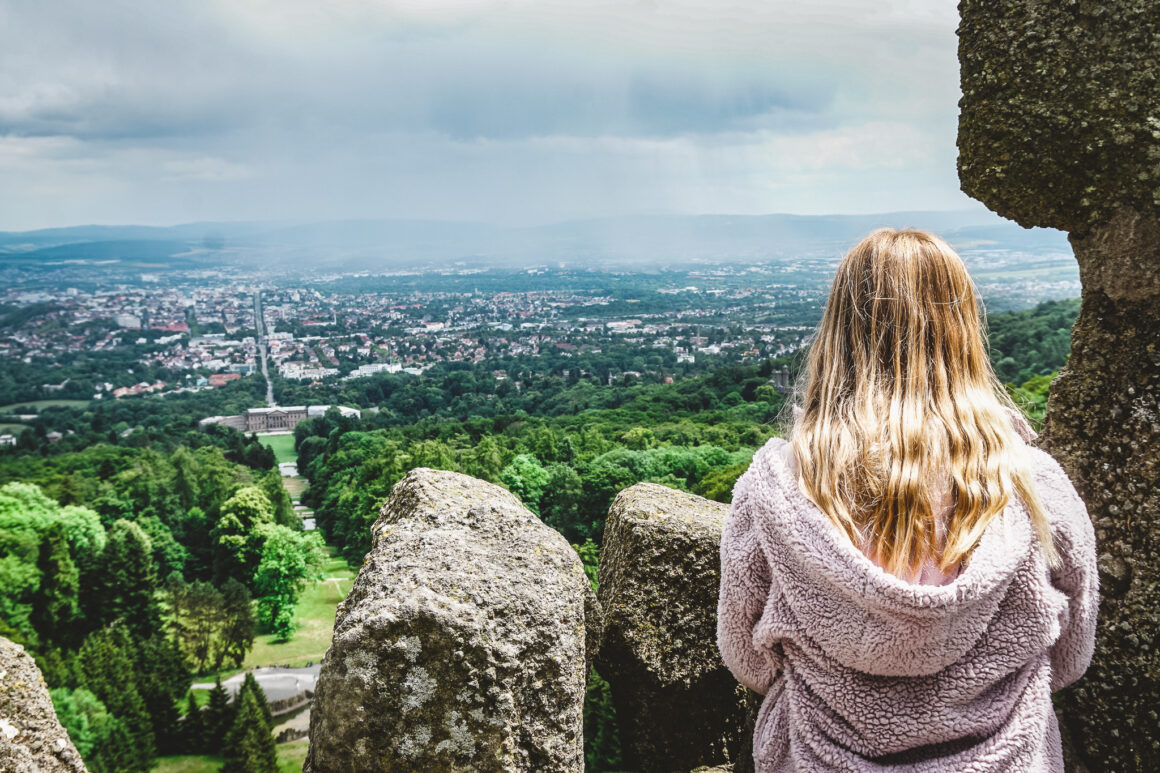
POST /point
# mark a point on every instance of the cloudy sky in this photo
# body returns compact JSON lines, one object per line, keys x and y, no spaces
{"x":138,"y":111}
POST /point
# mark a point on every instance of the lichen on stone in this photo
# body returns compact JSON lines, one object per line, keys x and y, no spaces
{"x":31,"y":736}
{"x":458,"y":640}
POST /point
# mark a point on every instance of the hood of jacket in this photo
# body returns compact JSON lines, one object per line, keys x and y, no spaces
{"x":856,"y":612}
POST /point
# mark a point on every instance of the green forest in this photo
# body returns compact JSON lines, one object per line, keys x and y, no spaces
{"x":139,"y":550}
{"x":126,"y":571}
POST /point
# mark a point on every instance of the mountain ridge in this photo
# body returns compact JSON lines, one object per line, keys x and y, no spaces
{"x":636,"y":239}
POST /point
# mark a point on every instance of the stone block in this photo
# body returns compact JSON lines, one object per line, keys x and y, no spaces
{"x":462,"y":644}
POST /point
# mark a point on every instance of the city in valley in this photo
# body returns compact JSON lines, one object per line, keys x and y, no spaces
{"x":112,"y":334}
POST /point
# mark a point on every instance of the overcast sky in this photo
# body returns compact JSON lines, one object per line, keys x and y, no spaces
{"x":139,"y":111}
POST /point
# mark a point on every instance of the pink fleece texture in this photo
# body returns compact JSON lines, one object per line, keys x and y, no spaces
{"x":864,"y":671}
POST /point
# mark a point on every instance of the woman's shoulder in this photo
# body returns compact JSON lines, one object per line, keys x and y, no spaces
{"x":1065,"y":508}
{"x":1021,"y":425}
{"x":775,"y":451}
{"x":766,"y":470}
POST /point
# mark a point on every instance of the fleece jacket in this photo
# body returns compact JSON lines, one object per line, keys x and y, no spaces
{"x":864,"y":671}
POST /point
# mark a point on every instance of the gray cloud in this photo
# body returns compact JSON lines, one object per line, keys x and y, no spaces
{"x":515,"y":111}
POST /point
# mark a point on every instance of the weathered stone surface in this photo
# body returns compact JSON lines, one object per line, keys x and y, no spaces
{"x":677,"y":705}
{"x":1060,"y":114}
{"x":1104,"y":427}
{"x":461,"y":646}
{"x":1060,"y":126}
{"x":31,"y":738}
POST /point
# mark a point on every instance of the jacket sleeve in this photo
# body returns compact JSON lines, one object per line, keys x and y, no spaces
{"x":746,"y":584}
{"x":1077,"y":576}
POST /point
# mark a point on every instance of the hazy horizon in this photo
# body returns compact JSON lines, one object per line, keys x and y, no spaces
{"x":973,"y":215}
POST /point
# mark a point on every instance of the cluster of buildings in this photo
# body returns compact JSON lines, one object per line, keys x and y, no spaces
{"x":213,"y":334}
{"x":203,"y":329}
{"x":141,"y":388}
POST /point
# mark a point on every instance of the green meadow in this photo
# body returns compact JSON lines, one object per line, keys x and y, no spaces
{"x":291,"y":757}
{"x":282,"y":446}
{"x":315,"y":616}
{"x":27,"y":407}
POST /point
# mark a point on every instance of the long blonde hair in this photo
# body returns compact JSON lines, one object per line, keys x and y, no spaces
{"x":898,"y":389}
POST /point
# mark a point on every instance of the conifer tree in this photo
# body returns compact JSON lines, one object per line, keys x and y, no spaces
{"x":196,"y":620}
{"x":195,"y":527}
{"x":185,"y":485}
{"x":250,"y":685}
{"x":219,"y":716}
{"x":236,"y":636}
{"x":162,"y":679}
{"x":109,"y":673}
{"x":193,"y":727}
{"x":249,"y":746}
{"x":131,"y":579}
{"x":57,"y":667}
{"x":117,"y":752}
{"x":54,"y":605}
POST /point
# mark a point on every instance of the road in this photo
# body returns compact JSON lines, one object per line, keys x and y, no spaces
{"x":260,"y":329}
{"x":276,"y":683}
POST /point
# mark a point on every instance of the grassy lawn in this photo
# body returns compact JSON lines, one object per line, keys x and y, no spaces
{"x":39,"y":404}
{"x":14,"y":429}
{"x":188,"y":764}
{"x":291,"y":756}
{"x":201,"y":696}
{"x":282,"y":445}
{"x":315,"y":616}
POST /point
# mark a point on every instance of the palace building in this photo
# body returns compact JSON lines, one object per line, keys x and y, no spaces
{"x":276,"y":417}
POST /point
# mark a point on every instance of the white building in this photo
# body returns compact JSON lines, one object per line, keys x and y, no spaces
{"x":375,"y":367}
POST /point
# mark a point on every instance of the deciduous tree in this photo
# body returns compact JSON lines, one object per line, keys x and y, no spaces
{"x":236,"y":539}
{"x":527,"y":479}
{"x":289,"y":560}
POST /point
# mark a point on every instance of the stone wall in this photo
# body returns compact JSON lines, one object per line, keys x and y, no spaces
{"x":1060,"y":127}
{"x":466,"y":641}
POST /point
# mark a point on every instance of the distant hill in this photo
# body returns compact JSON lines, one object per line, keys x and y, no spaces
{"x":386,"y":244}
{"x":120,"y":249}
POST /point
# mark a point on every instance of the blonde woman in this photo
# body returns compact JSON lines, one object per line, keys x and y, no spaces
{"x":906,"y":580}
